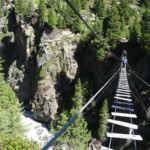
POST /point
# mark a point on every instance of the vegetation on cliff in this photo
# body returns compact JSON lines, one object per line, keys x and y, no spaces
{"x":115,"y":22}
{"x":11,"y":129}
{"x":104,"y":115}
{"x":10,"y":109}
{"x":146,"y":27}
{"x":8,"y":141}
{"x":78,"y":128}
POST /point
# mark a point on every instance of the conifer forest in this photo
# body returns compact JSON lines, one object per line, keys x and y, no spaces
{"x":74,"y":74}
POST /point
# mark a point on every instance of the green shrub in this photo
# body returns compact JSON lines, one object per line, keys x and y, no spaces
{"x":9,"y":142}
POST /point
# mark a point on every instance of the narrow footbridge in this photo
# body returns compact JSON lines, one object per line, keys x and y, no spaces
{"x":123,"y":113}
{"x":121,"y":123}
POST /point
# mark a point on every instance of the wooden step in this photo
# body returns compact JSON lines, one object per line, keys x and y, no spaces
{"x":123,"y":79}
{"x":123,"y":84}
{"x":124,"y":87}
{"x":124,"y":103}
{"x":105,"y":148}
{"x":122,"y":123}
{"x":122,"y":98}
{"x":123,"y":95}
{"x":123,"y":115}
{"x":123,"y":90}
{"x":123,"y":108}
{"x":124,"y":136}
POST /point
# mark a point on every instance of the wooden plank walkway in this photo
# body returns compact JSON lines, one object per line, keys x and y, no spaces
{"x":123,"y":90}
{"x":124,"y":115}
{"x":123,"y":103}
{"x":123,"y":107}
{"x":122,"y":95}
{"x":122,"y":123}
{"x":124,"y":136}
{"x":122,"y":98}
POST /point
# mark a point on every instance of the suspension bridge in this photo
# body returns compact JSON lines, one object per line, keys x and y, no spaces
{"x":123,"y":113}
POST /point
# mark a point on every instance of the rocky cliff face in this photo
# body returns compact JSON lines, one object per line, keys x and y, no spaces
{"x":56,"y":56}
{"x":36,"y":71}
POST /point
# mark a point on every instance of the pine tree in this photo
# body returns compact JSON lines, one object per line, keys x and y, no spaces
{"x":71,"y":18}
{"x":146,"y":28}
{"x":61,"y":8}
{"x":42,"y":12}
{"x":78,"y":96}
{"x":21,"y":7}
{"x":1,"y":8}
{"x":52,"y":18}
{"x":10,"y":110}
{"x":104,"y":115}
{"x":101,"y":8}
{"x":123,"y":25}
{"x":113,"y":25}
{"x":18,"y":6}
{"x":125,"y":10}
{"x":76,"y":25}
{"x":29,"y":8}
{"x":135,"y":31}
{"x":77,"y":135}
{"x":100,"y":48}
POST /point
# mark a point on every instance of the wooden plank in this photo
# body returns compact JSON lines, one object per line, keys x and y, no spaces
{"x":123,"y":90}
{"x":124,"y":136}
{"x":122,"y":108}
{"x":105,"y":148}
{"x":122,"y":98}
{"x":123,"y":79}
{"x":123,"y":84}
{"x":124,"y":87}
{"x":122,"y":95}
{"x":124,"y":115}
{"x":124,"y":103}
{"x":122,"y":123}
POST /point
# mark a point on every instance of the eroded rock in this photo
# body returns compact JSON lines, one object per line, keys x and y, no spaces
{"x":56,"y":55}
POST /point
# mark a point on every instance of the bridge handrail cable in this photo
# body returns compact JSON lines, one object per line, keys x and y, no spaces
{"x":60,"y":132}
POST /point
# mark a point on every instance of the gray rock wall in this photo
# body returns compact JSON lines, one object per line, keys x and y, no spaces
{"x":34,"y":74}
{"x":56,"y":55}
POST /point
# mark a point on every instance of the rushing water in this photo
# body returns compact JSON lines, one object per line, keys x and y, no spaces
{"x":35,"y":131}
